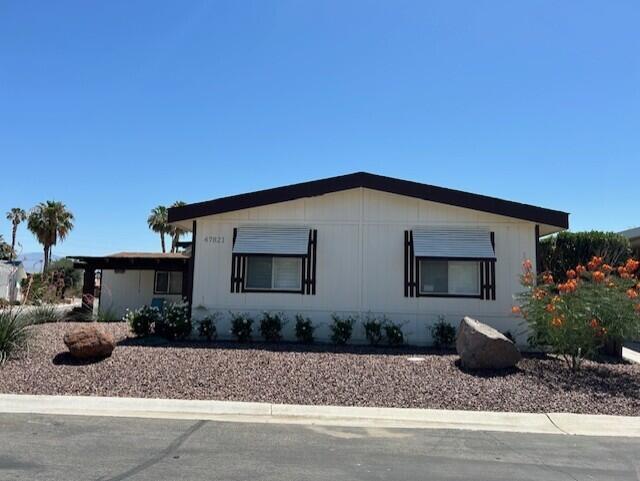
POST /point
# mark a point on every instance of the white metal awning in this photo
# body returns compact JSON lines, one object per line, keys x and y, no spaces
{"x":452,"y":242}
{"x":276,"y":240}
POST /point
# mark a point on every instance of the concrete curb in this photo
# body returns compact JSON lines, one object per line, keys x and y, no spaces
{"x":554,"y":423}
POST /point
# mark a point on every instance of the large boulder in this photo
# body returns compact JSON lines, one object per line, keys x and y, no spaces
{"x":89,"y":341}
{"x":482,"y":347}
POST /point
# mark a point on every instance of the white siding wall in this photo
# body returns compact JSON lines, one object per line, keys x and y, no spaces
{"x":128,"y":290}
{"x":360,"y":262}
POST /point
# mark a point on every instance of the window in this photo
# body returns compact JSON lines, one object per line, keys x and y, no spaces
{"x":274,"y":273}
{"x":449,"y":277}
{"x":168,"y":282}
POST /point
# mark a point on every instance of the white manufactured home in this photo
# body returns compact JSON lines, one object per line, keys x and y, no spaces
{"x":357,"y":244}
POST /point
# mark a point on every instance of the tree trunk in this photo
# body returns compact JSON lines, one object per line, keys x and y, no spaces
{"x":13,"y":242}
{"x":162,"y":242}
{"x":45,"y":262}
{"x":174,"y":243}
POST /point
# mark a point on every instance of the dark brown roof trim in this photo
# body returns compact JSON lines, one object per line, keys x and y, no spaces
{"x":391,"y":185}
{"x":141,"y":263}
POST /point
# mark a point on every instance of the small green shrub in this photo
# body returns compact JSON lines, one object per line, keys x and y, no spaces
{"x":341,"y":329}
{"x":241,"y":326}
{"x":443,"y":334}
{"x":304,"y":329}
{"x":44,"y":313}
{"x":393,"y":333}
{"x":142,"y":320}
{"x":107,"y":314}
{"x":175,"y":322}
{"x":271,"y":326}
{"x":373,"y":329}
{"x":14,"y":333}
{"x":207,"y":327}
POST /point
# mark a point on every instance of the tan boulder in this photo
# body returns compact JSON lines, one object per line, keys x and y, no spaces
{"x":482,"y":347}
{"x":89,"y":341}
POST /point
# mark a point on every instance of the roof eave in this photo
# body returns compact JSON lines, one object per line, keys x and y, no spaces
{"x":391,"y":185}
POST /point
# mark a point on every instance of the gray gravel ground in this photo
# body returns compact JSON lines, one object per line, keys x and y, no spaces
{"x":318,"y":374}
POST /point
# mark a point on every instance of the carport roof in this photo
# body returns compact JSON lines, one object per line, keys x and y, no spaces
{"x":133,"y":260}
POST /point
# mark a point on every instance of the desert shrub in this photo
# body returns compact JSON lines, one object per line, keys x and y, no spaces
{"x":574,"y":318}
{"x":271,"y":326}
{"x":241,"y":326}
{"x":564,"y":251}
{"x":175,"y":322}
{"x":373,"y":329}
{"x":62,"y":273}
{"x":142,"y":320}
{"x":304,"y":329}
{"x":393,"y":333}
{"x":14,"y":333}
{"x":341,"y":328}
{"x":44,"y":313}
{"x":106,"y":314}
{"x":443,"y":334}
{"x":207,"y":327}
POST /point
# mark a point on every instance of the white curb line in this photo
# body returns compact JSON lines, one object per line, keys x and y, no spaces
{"x":555,"y":423}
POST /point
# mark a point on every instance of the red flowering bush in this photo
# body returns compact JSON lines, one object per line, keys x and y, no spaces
{"x":574,"y":318}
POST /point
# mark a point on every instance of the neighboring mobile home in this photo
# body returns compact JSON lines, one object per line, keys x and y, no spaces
{"x":354,"y":244}
{"x":11,"y":275}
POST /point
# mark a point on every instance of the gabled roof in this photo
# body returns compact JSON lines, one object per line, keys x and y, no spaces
{"x":376,"y":182}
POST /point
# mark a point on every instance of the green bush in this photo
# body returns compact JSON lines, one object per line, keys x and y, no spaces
{"x":373,"y":329}
{"x":207,"y":327}
{"x":341,"y":329}
{"x":271,"y":326}
{"x":14,"y":333}
{"x":393,"y":333}
{"x":566,"y":250}
{"x":175,"y":322}
{"x":44,"y":313}
{"x":596,"y":304}
{"x":142,"y":320}
{"x":304,"y":329}
{"x":443,"y":334}
{"x":106,"y":314}
{"x":241,"y":326}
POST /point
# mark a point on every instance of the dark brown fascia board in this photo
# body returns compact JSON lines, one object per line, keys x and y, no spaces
{"x":390,"y":185}
{"x":133,"y":263}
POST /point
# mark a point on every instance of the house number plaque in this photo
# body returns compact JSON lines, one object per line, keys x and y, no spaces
{"x":214,"y":239}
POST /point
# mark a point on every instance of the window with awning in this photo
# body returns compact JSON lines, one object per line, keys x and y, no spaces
{"x":450,"y":262}
{"x":274,"y":259}
{"x":453,"y":243}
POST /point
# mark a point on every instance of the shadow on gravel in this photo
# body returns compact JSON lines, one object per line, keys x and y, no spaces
{"x":285,"y":346}
{"x":606,"y":378}
{"x":488,"y":373}
{"x":66,"y":359}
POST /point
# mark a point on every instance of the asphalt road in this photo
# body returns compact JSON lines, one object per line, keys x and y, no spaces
{"x":109,"y":449}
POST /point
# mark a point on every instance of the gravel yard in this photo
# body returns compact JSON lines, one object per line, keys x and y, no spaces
{"x":288,"y":373}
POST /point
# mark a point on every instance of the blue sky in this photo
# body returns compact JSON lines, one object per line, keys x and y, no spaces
{"x":115,"y":107}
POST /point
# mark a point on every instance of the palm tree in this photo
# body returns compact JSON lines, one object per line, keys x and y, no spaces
{"x":158,"y":221}
{"x":176,"y":231}
{"x":50,"y":222}
{"x":15,"y":216}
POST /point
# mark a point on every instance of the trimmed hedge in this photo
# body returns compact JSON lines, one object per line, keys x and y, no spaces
{"x":565,"y":250}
